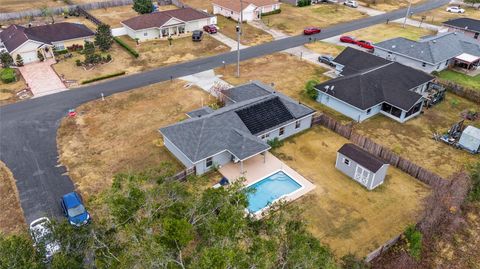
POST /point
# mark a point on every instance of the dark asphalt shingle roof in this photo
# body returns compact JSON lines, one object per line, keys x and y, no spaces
{"x":158,"y":19}
{"x":16,"y":35}
{"x":362,"y":157}
{"x":224,"y":129}
{"x":433,"y":49}
{"x":355,"y":62}
{"x":464,"y":23}
{"x":389,"y":83}
{"x":245,"y":92}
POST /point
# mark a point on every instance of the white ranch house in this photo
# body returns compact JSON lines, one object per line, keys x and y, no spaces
{"x":250,"y":10}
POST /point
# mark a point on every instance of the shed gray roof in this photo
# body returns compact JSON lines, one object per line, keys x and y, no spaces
{"x":362,"y":157}
{"x":202,"y":137}
{"x":433,"y":49}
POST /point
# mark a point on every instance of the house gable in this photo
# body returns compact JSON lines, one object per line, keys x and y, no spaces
{"x":172,"y":21}
{"x":27,"y":46}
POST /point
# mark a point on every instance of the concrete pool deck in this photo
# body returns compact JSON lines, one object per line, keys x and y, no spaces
{"x":257,"y":168}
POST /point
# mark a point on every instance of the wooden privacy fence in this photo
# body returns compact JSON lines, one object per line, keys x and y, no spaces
{"x":183,"y":175}
{"x":377,"y":252}
{"x":89,"y":16}
{"x":380,"y":151}
{"x":464,"y":92}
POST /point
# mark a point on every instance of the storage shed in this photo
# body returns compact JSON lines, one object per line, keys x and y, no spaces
{"x":362,"y":166}
{"x":470,"y":139}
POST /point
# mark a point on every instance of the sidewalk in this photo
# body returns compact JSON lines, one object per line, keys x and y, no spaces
{"x":227,"y":41}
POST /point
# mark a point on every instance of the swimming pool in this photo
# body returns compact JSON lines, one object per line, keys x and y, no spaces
{"x":270,"y":189}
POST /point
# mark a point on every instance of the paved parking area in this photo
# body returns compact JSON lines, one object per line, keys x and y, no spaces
{"x":41,"y":78}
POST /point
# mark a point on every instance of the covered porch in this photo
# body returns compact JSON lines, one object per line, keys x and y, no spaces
{"x":172,"y":30}
{"x":467,"y":64}
{"x":399,"y":114}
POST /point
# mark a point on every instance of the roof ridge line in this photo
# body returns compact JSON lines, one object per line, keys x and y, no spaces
{"x":375,"y":68}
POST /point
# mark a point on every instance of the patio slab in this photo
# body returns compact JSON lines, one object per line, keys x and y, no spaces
{"x":258,"y":167}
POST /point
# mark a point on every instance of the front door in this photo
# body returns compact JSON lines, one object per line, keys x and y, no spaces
{"x":361,"y":175}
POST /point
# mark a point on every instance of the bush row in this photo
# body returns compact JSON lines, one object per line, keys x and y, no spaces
{"x":103,"y":77}
{"x":7,"y":75}
{"x":277,"y":11}
{"x":60,"y":52}
{"x":127,"y":47}
{"x":303,"y":3}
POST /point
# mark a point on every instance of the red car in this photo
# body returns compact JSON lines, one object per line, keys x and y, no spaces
{"x":347,"y":39}
{"x":211,"y":29}
{"x":311,"y":30}
{"x":365,"y":44}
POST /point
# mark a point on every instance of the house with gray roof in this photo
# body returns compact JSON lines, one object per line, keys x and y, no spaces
{"x":468,"y":26}
{"x":254,"y":114}
{"x":434,"y":53}
{"x":369,"y":85}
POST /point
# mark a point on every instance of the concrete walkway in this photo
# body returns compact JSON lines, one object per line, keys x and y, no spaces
{"x":206,"y":80}
{"x":277,"y":34}
{"x":227,"y":41}
{"x":41,"y":78}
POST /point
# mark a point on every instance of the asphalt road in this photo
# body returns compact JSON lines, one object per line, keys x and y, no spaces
{"x":28,"y":129}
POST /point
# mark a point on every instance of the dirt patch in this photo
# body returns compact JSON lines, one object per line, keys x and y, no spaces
{"x":120,"y":134}
{"x":11,"y":219}
{"x":342,"y":213}
{"x":293,"y":20}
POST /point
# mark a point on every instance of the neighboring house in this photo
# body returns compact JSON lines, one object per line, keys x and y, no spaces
{"x":252,"y":9}
{"x":253,"y":115}
{"x":27,"y":41}
{"x":368,"y":85}
{"x":468,"y":26}
{"x":164,"y":24}
{"x":434,"y":53}
{"x":291,"y":2}
{"x":362,"y":166}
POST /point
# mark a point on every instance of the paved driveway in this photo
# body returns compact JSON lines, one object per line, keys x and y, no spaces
{"x":41,"y":78}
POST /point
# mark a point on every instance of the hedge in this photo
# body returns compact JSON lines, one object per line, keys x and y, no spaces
{"x":127,"y":47}
{"x":7,"y":75}
{"x":304,"y":3}
{"x":60,"y":52}
{"x":277,"y":11}
{"x":103,"y":77}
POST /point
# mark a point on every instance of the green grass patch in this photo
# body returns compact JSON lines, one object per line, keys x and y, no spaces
{"x":103,"y":77}
{"x":7,"y":75}
{"x":461,"y":79}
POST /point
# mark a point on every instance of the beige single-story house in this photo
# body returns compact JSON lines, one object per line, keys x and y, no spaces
{"x":249,"y":10}
{"x":167,"y":23}
{"x":28,"y":41}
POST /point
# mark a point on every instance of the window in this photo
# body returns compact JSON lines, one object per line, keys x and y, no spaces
{"x":369,"y":110}
{"x":281,"y":131}
{"x":209,"y":162}
{"x":297,"y":124}
{"x":59,"y":47}
{"x":424,"y":64}
{"x":267,"y":135}
{"x":346,"y":161}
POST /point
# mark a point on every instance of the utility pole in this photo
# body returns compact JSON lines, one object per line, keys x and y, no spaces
{"x":239,"y":32}
{"x":408,"y":12}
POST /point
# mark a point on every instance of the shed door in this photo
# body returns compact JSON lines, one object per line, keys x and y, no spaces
{"x":361,"y":175}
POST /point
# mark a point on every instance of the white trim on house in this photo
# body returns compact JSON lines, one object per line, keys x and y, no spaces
{"x":38,"y":42}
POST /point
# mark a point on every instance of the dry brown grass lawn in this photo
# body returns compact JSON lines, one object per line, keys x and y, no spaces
{"x":120,"y":134}
{"x":381,"y":32}
{"x":439,"y":15}
{"x":293,"y":20}
{"x":388,"y":5}
{"x":8,"y":91}
{"x":342,"y":213}
{"x":325,"y":48}
{"x":288,"y":74}
{"x":200,"y":4}
{"x":251,"y":36}
{"x":114,"y":15}
{"x":413,"y":139}
{"x":153,"y":54}
{"x":11,"y":219}
{"x":19,"y":5}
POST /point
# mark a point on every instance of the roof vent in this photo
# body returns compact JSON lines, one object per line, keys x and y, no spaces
{"x":394,"y":46}
{"x":466,"y":27}
{"x":326,"y":88}
{"x":412,"y":46}
{"x":434,"y":41}
{"x":421,"y":51}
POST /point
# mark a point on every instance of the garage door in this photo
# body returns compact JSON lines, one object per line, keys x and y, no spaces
{"x":29,"y":57}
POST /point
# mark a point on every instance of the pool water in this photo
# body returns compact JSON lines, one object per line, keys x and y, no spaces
{"x":270,"y":189}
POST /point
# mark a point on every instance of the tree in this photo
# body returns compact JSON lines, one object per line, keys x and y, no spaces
{"x":143,"y":6}
{"x":473,"y":2}
{"x":17,"y":251}
{"x":19,"y":60}
{"x":413,"y":238}
{"x":103,"y":37}
{"x":474,"y":194}
{"x":310,"y":90}
{"x":40,"y":56}
{"x":6,"y":59}
{"x":47,"y":12}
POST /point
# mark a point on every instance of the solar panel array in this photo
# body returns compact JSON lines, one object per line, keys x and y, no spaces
{"x":265,"y":115}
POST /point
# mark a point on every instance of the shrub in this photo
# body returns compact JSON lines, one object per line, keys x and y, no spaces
{"x":109,"y":57}
{"x":474,"y":194}
{"x":78,"y":62}
{"x":133,"y":52}
{"x":349,"y":261}
{"x":275,"y":143}
{"x":414,"y":241}
{"x":303,"y":3}
{"x":19,"y":60}
{"x":277,"y":11}
{"x":6,"y":59}
{"x":40,"y":56}
{"x":7,"y":75}
{"x":103,"y":77}
{"x":310,"y":90}
{"x":60,"y":52}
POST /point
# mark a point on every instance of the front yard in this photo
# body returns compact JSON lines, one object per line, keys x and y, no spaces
{"x":440,"y":15}
{"x":8,"y":91}
{"x":153,"y":54}
{"x":342,"y":213}
{"x":413,"y":139}
{"x":120,"y":134}
{"x":325,"y":48}
{"x":11,"y":219}
{"x":381,"y":32}
{"x":250,"y":35}
{"x":461,"y":79}
{"x":292,"y":20}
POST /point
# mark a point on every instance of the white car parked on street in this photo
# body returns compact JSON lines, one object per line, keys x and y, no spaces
{"x":455,"y":9}
{"x":42,"y":235}
{"x":351,"y":3}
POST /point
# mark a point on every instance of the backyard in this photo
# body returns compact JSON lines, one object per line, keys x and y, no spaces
{"x":153,"y":54}
{"x":114,"y":15}
{"x":121,"y":134}
{"x":19,"y":5}
{"x":440,"y":15}
{"x":342,"y":213}
{"x":413,"y":139}
{"x":250,"y":35}
{"x":292,"y":20}
{"x":11,"y":219}
{"x":461,"y":79}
